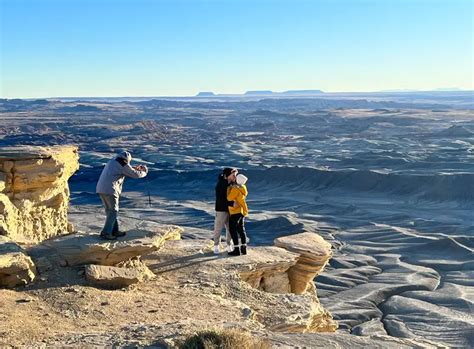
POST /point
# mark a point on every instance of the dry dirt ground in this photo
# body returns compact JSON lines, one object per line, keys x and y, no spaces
{"x":192,"y":291}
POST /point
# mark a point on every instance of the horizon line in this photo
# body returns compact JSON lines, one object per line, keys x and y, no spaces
{"x":257,"y":93}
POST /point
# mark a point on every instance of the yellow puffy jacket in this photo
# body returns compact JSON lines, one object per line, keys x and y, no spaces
{"x":238,"y":194}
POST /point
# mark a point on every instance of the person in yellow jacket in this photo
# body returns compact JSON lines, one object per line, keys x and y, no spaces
{"x":237,"y":192}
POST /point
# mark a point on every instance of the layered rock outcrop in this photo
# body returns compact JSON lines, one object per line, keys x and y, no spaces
{"x":34,"y":193}
{"x":306,"y":255}
{"x":314,"y":253}
{"x":267,"y":270}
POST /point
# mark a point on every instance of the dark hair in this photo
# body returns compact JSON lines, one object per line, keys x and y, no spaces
{"x":228,"y":171}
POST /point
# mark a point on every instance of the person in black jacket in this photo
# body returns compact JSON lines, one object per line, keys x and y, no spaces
{"x":227,"y":177}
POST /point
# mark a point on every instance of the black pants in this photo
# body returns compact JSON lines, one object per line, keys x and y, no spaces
{"x":237,"y":229}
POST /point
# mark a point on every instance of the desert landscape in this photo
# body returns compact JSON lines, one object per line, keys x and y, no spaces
{"x":386,"y":179}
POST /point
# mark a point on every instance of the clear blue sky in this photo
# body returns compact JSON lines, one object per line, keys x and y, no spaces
{"x":177,"y":47}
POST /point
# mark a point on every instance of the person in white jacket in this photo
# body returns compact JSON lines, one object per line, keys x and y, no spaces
{"x":109,"y":188}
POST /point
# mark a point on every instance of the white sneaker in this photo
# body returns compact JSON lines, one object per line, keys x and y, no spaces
{"x":216,"y":249}
{"x":230,"y":248}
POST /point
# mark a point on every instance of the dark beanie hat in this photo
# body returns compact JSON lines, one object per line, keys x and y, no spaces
{"x":228,"y":171}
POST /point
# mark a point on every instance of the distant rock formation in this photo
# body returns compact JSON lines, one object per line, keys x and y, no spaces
{"x":258,"y":93}
{"x":284,"y":93}
{"x":16,"y":105}
{"x":34,"y":193}
{"x":302,"y":92}
{"x":80,"y":108}
{"x":205,"y":94}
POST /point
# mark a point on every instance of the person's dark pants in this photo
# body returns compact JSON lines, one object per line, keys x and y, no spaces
{"x":111,"y":205}
{"x":237,"y":229}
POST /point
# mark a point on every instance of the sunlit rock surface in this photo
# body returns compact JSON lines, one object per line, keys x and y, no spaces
{"x":314,"y":253}
{"x":34,"y":192}
{"x":16,"y":267}
{"x":109,"y":277}
{"x":84,"y":248}
{"x":258,"y":282}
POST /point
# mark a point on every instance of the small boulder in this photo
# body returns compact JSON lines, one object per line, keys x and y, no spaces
{"x":109,"y":277}
{"x":16,"y":268}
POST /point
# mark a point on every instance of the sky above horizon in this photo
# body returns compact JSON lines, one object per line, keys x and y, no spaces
{"x":73,"y":48}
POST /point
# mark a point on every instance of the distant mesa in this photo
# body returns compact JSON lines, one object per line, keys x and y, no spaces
{"x":399,"y":90}
{"x":267,"y":93}
{"x":205,"y":94}
{"x":258,"y":93}
{"x":16,"y":104}
{"x":40,"y":102}
{"x":285,"y":93}
{"x":80,"y":108}
{"x":302,"y":92}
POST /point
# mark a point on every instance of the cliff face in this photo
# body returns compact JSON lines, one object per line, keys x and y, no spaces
{"x":34,"y":193}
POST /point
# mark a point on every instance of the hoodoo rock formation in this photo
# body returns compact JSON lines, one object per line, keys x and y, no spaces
{"x":314,"y":253}
{"x":34,"y":193}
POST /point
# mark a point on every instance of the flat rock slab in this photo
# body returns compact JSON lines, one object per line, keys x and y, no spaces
{"x":262,"y":258}
{"x":82,"y":248}
{"x":114,"y":277}
{"x":16,"y":267}
{"x":25,"y":153}
{"x":309,"y":245}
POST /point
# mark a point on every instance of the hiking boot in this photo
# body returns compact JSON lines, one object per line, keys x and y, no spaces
{"x":243,"y":249}
{"x":235,"y":252}
{"x":216,"y":249}
{"x":108,"y":237}
{"x":119,"y":234}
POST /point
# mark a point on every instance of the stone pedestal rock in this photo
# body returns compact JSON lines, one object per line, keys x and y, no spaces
{"x":314,"y":253}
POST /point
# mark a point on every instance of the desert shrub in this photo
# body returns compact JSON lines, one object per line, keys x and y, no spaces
{"x":224,"y":339}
